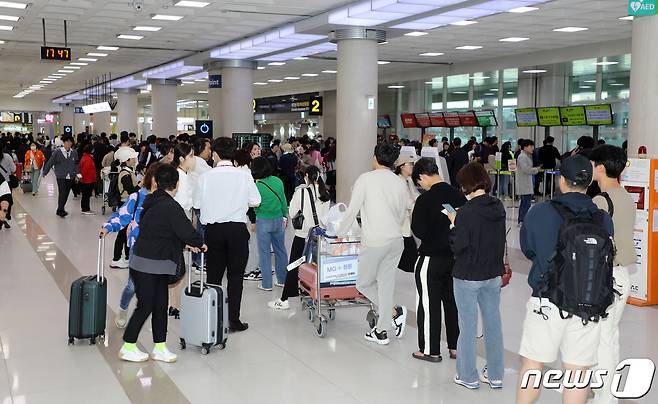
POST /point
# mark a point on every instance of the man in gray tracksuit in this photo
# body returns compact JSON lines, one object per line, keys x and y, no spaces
{"x":524,"y":173}
{"x":65,"y":162}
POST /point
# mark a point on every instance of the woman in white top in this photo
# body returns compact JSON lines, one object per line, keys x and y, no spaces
{"x":404,"y":167}
{"x":315,"y":188}
{"x":184,"y":162}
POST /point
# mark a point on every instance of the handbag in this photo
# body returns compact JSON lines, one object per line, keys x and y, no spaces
{"x":180,"y":271}
{"x":298,"y":219}
{"x":507,"y":274}
{"x":12,"y":180}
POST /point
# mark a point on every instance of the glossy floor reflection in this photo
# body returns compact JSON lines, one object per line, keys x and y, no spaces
{"x":278,"y":360}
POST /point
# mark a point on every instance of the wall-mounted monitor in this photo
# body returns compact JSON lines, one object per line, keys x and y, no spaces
{"x":383,"y":121}
{"x":598,"y":114}
{"x":468,"y":118}
{"x":486,"y":118}
{"x":423,"y":120}
{"x":452,"y":119}
{"x":526,"y":117}
{"x":573,"y":116}
{"x":549,"y":116}
{"x":409,"y":120}
{"x":437,"y":119}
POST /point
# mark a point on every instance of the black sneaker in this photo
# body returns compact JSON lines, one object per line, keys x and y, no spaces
{"x":380,"y":338}
{"x":174,"y":312}
{"x":6,"y":224}
{"x":253,"y":276}
{"x":237,"y":326}
{"x":400,"y":320}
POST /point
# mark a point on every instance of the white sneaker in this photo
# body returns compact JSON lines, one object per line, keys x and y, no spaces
{"x":133,"y":356}
{"x":400,"y":321}
{"x":89,"y":213}
{"x":264,"y":289}
{"x":278,"y":304}
{"x":121,"y":320}
{"x":120,"y":264}
{"x":278,"y":285}
{"x":164,"y":355}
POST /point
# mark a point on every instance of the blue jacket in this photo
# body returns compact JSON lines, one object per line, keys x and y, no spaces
{"x":540,"y":232}
{"x":128,"y":215}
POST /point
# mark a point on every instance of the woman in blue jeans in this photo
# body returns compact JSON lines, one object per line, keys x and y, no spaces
{"x":271,"y":223}
{"x":129,"y":216}
{"x":478,"y":243}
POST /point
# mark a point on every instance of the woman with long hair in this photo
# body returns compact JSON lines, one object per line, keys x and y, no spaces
{"x":314,"y":190}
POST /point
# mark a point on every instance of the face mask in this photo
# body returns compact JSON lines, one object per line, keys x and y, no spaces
{"x":33,"y":148}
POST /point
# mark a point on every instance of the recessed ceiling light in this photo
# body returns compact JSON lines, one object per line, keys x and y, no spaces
{"x":383,"y":62}
{"x":291,"y":78}
{"x":606,"y":63}
{"x":188,"y":82}
{"x":469,"y":47}
{"x":329,"y":71}
{"x":520,"y":10}
{"x":275,"y":81}
{"x":494,"y":90}
{"x":395,"y":87}
{"x":460,"y":92}
{"x":383,"y":43}
{"x":260,"y":68}
{"x":479,"y":77}
{"x":513,"y":39}
{"x":166,"y":17}
{"x":431,"y":54}
{"x":6,"y":28}
{"x":627,"y":18}
{"x":535,"y":71}
{"x":1,"y":42}
{"x":45,"y":81}
{"x":73,"y":67}
{"x":53,"y":78}
{"x":617,"y":84}
{"x":200,"y":80}
{"x":585,"y":87}
{"x":105,"y":48}
{"x":9,"y":18}
{"x":433,"y":82}
{"x":310,"y":74}
{"x":416,"y":33}
{"x":11,"y":4}
{"x":510,"y":93}
{"x":589,"y":81}
{"x":570,"y":29}
{"x":147,"y":28}
{"x":489,"y":94}
{"x":300,"y":58}
{"x":96,"y":54}
{"x":186,"y":3}
{"x":464,"y":22}
{"x":202,"y":92}
{"x":64,"y":71}
{"x":58,"y":75}
{"x":276,"y":63}
{"x":87,"y":60}
{"x":130,"y":37}
{"x":260,"y":83}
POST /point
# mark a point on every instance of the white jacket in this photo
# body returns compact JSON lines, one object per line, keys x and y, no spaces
{"x":296,"y":203}
{"x":200,"y":167}
{"x":184,"y":193}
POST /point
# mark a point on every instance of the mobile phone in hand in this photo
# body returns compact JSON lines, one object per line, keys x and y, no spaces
{"x":448,"y":207}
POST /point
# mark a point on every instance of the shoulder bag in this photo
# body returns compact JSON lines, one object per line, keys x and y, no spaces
{"x":12,"y":180}
{"x":507,"y":274}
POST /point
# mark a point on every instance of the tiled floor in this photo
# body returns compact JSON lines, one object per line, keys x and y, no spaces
{"x":278,"y":360}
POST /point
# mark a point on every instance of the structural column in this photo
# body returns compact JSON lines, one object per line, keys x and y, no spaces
{"x":163,"y":102}
{"x":644,"y":86}
{"x":127,"y":110}
{"x":235,"y":112}
{"x":67,"y":117}
{"x":102,"y":123}
{"x":215,"y":94}
{"x":356,"y":101}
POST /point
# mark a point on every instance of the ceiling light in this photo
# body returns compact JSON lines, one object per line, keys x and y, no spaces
{"x":383,"y":43}
{"x":510,"y":93}
{"x":1,"y":42}
{"x":291,"y":78}
{"x":260,"y":83}
{"x":147,"y":28}
{"x":589,"y":81}
{"x":130,"y":37}
{"x":87,"y":60}
{"x":489,"y":94}
{"x":45,"y":81}
{"x":188,"y":82}
{"x":186,"y":3}
{"x":617,"y":84}
{"x":96,"y":54}
{"x":431,"y":54}
{"x":300,"y":58}
{"x":463,"y":23}
{"x":479,"y":77}
{"x":570,"y":29}
{"x":513,"y":39}
{"x":329,"y":71}
{"x":275,"y":81}
{"x":520,"y":10}
{"x":585,"y":87}
{"x":395,"y":87}
{"x":53,"y":78}
{"x":199,"y":80}
{"x":6,"y":28}
{"x":606,"y":63}
{"x":383,"y":62}
{"x":494,"y":90}
{"x":202,"y":92}
{"x":73,"y":67}
{"x":11,"y":4}
{"x":460,"y":92}
{"x":64,"y":71}
{"x":416,"y":33}
{"x":166,"y":17}
{"x":276,"y":63}
{"x":310,"y":74}
{"x":260,"y":68}
{"x":58,"y":74}
{"x":535,"y":71}
{"x":627,"y":18}
{"x":105,"y":48}
{"x":9,"y":18}
{"x":469,"y":47}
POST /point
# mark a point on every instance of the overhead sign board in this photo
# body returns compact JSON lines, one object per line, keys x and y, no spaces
{"x":96,"y":108}
{"x":549,"y":116}
{"x":598,"y":114}
{"x":437,"y":119}
{"x":310,"y":103}
{"x":486,"y":118}
{"x":573,"y":116}
{"x":315,"y":109}
{"x":452,"y":119}
{"x":526,"y":117}
{"x":467,"y":118}
{"x":408,"y":120}
{"x":423,"y":120}
{"x":204,"y":129}
{"x":641,"y":8}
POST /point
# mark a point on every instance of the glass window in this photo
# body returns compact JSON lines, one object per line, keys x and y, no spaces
{"x":507,"y":129}
{"x":485,"y":89}
{"x":458,"y":87}
{"x":583,"y":81}
{"x":435,"y":92}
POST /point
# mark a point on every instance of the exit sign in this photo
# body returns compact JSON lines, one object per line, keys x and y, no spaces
{"x":641,"y":8}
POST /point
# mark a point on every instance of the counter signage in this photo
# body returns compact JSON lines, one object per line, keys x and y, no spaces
{"x":423,"y":120}
{"x":526,"y":117}
{"x":384,"y":121}
{"x":452,"y":119}
{"x":598,"y":114}
{"x":486,"y":118}
{"x":549,"y":116}
{"x":409,"y":120}
{"x":573,"y":116}
{"x":468,"y":118}
{"x":78,"y":110}
{"x":437,"y":119}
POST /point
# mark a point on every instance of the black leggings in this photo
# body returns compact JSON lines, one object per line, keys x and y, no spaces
{"x":152,"y":300}
{"x":121,"y":244}
{"x":291,"y":288}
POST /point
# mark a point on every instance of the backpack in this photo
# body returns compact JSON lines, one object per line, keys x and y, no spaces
{"x":113,"y":191}
{"x":581,"y":279}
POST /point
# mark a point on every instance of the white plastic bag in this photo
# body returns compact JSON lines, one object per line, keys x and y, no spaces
{"x":335,"y":217}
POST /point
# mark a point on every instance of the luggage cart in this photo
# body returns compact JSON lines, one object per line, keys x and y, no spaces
{"x":106,"y":176}
{"x":335,"y":288}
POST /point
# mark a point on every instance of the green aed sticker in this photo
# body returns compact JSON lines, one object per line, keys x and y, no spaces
{"x":641,"y":8}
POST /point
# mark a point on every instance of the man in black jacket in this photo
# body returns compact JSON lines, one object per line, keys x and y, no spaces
{"x":458,"y":159}
{"x":435,"y":261}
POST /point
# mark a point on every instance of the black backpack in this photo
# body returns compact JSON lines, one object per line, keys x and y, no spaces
{"x":581,"y":279}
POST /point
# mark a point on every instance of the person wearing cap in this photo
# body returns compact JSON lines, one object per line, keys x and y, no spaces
{"x":404,"y":167}
{"x":65,"y":162}
{"x":433,"y":270}
{"x":127,"y":184}
{"x":545,"y":332}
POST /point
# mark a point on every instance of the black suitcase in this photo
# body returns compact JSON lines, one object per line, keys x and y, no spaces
{"x":88,"y":302}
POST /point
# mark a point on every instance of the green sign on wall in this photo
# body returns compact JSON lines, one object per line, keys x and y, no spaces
{"x":641,"y":8}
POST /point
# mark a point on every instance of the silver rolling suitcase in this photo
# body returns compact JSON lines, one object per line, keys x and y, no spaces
{"x":203,"y":313}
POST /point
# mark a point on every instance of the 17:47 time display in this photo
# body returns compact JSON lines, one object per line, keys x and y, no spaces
{"x":55,"y":53}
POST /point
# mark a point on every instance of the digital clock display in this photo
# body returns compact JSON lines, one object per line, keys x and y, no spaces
{"x":55,"y":53}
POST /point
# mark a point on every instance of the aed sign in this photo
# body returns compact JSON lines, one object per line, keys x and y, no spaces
{"x":641,"y":8}
{"x":215,"y":81}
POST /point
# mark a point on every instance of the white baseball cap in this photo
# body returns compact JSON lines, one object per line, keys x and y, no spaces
{"x":125,"y":153}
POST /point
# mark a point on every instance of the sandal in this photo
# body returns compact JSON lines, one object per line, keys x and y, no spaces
{"x":428,"y":358}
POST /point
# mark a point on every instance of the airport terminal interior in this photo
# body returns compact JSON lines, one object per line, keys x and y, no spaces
{"x":412,"y":73}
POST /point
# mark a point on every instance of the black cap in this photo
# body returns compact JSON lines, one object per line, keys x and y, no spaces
{"x":577,"y":171}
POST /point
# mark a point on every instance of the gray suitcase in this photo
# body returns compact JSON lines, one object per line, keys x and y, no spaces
{"x":203,"y":314}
